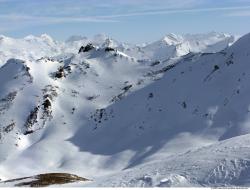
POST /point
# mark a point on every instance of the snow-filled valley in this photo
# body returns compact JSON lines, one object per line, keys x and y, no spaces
{"x":172,"y":113}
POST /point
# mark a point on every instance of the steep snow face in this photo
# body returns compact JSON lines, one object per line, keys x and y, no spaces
{"x":14,"y":73}
{"x":112,"y":107}
{"x":14,"y":78}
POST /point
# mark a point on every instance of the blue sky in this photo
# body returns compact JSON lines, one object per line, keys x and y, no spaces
{"x":126,"y":20}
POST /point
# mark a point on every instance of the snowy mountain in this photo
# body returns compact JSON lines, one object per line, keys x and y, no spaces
{"x":170,"y":113}
{"x":28,"y":48}
{"x":32,"y":47}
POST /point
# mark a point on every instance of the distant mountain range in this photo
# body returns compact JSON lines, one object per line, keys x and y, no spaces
{"x":172,"y":113}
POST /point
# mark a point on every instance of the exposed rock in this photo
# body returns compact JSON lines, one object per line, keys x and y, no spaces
{"x":43,"y":180}
{"x":9,"y":127}
{"x":32,"y":118}
{"x":126,"y":88}
{"x":60,"y":73}
{"x":86,"y":48}
{"x":109,"y":49}
{"x":155,"y":63}
{"x":46,"y":104}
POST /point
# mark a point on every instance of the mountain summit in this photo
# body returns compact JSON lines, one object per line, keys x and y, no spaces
{"x":172,"y":113}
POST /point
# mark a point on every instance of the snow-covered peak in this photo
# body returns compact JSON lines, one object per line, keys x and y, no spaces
{"x":172,"y":45}
{"x":172,"y":39}
{"x":43,"y":37}
{"x":13,"y":74}
{"x":178,"y":45}
{"x":30,"y":47}
{"x":129,"y":115}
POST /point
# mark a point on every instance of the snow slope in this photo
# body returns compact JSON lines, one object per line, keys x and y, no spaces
{"x":121,"y":114}
{"x":202,"y":100}
{"x":222,"y":164}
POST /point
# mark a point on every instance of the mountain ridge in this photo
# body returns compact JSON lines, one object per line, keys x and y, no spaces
{"x":119,"y":108}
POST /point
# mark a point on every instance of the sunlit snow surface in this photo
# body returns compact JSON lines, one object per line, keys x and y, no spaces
{"x":171,"y":113}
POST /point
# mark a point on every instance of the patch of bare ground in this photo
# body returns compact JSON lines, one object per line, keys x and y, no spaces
{"x":43,"y":180}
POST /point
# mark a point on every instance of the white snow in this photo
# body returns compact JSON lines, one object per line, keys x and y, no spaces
{"x":172,"y":113}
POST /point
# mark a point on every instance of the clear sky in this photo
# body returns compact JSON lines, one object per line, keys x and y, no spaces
{"x":125,"y":20}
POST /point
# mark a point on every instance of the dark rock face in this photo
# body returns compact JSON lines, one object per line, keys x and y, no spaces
{"x":7,"y":101}
{"x":43,"y":180}
{"x":28,"y":132}
{"x":81,"y":49}
{"x":47,"y":104}
{"x":109,"y":49}
{"x":60,"y":73}
{"x":9,"y":127}
{"x":32,"y":118}
{"x":155,"y":63}
{"x":151,"y":95}
{"x":39,"y":116}
{"x":126,"y":88}
{"x":86,"y":48}
{"x":216,"y":67}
